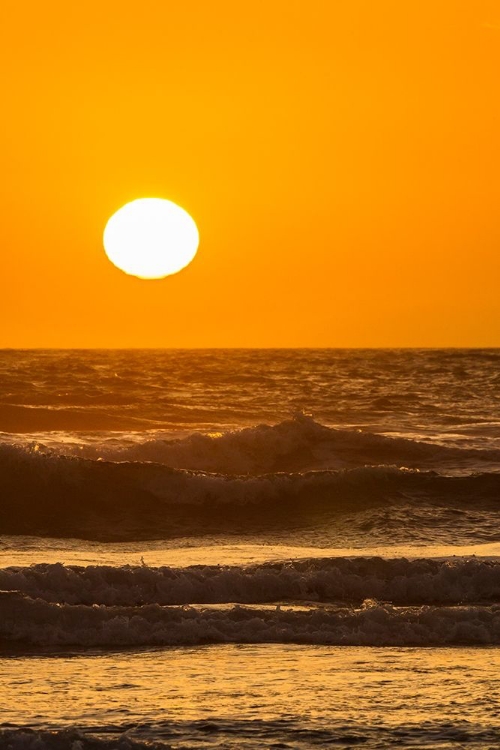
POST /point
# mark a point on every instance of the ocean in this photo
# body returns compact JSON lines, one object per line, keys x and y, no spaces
{"x":249,"y":549}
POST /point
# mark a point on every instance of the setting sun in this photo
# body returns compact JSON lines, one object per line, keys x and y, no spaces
{"x":151,"y":238}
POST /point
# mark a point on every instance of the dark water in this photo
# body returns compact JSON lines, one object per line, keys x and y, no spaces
{"x":194,"y":503}
{"x":360,"y":446}
{"x":443,"y":394}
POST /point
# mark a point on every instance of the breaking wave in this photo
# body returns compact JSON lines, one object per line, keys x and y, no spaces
{"x":401,"y":581}
{"x":49,"y":494}
{"x":296,"y":444}
{"x":331,"y":601}
{"x":32,"y":622}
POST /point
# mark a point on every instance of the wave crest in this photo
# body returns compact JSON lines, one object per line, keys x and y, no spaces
{"x":53,"y":495}
{"x":296,"y":444}
{"x":37,"y":623}
{"x":400,"y":581}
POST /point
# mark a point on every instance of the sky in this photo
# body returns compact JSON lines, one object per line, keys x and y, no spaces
{"x":340,"y":158}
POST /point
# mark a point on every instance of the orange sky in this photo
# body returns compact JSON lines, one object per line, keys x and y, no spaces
{"x":341,"y":160}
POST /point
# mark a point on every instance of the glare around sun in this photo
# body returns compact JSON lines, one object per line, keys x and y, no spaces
{"x":151,"y":238}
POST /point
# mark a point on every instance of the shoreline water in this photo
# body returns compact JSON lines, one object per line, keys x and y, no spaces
{"x":26,"y":551}
{"x":208,"y":697}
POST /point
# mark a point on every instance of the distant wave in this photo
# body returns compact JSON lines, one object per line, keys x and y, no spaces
{"x":296,"y":444}
{"x":400,"y":581}
{"x":48,"y":494}
{"x":33,"y":622}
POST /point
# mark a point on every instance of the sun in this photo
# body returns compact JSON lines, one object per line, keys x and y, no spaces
{"x":151,"y":238}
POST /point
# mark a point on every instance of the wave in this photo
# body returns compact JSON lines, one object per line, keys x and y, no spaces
{"x":296,"y":444}
{"x":250,"y":733}
{"x":29,"y":739}
{"x":32,"y":622}
{"x":328,"y":580}
{"x":53,"y":495}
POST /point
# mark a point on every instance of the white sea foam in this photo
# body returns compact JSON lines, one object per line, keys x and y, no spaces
{"x":401,"y":581}
{"x":36,"y":623}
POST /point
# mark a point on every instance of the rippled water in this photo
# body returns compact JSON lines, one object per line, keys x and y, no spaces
{"x":449,"y":394}
{"x":256,"y":697}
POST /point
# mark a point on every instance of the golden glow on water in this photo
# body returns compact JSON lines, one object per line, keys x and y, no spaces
{"x":27,"y":551}
{"x":316,"y":687}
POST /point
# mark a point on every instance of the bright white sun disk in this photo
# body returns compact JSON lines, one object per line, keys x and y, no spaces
{"x":151,"y":238}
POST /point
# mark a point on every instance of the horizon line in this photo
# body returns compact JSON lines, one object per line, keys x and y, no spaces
{"x":247,"y":348}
